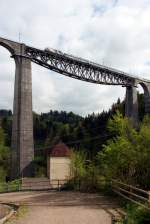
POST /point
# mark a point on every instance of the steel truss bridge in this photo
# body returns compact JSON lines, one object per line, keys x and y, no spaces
{"x":79,"y":68}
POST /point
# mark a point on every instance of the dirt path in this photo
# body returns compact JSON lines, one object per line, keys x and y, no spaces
{"x":62,"y":207}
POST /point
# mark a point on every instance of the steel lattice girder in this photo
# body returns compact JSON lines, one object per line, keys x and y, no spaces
{"x":78,"y":69}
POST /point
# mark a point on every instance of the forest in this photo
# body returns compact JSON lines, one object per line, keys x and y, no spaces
{"x":87,"y":134}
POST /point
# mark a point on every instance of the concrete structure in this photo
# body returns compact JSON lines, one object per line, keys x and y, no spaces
{"x":131,"y":102}
{"x":146,"y":88}
{"x":58,"y":165}
{"x":22,"y":130}
{"x":65,"y":64}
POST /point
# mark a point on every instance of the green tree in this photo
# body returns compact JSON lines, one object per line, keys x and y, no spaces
{"x":126,"y":156}
{"x":78,"y":163}
{"x":4,"y":157}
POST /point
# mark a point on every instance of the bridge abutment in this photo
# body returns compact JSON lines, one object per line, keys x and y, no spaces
{"x":131,"y":104}
{"x":22,"y":129}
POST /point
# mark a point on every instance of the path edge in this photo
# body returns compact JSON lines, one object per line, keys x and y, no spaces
{"x":6,"y":217}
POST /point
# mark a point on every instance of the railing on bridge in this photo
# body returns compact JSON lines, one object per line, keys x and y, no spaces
{"x":131,"y":193}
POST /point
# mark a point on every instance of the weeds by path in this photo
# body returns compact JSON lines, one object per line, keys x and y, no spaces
{"x":21,"y":212}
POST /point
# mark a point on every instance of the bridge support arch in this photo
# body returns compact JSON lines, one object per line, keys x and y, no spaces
{"x":22,"y":127}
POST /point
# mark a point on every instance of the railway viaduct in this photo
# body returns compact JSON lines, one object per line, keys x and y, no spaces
{"x":65,"y":64}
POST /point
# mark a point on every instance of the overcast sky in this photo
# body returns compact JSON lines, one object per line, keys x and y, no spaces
{"x":111,"y":32}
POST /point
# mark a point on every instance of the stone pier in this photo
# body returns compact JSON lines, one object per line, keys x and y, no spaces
{"x":131,"y":104}
{"x":22,"y":131}
{"x":22,"y":127}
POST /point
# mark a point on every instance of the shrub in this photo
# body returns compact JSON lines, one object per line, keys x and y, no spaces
{"x":137,"y":215}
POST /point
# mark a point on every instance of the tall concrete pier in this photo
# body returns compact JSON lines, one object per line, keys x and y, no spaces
{"x":131,"y":103}
{"x":22,"y":128}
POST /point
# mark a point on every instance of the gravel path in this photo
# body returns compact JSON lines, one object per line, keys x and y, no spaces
{"x":62,"y":207}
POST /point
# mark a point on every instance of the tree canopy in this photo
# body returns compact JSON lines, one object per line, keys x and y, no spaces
{"x":126,"y":156}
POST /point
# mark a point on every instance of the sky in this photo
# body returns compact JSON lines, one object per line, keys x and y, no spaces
{"x":115,"y":33}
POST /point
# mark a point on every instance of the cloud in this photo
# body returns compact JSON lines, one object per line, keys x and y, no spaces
{"x":115,"y":33}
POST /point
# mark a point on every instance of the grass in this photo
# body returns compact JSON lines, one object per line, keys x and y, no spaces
{"x":21,"y":212}
{"x":10,"y":186}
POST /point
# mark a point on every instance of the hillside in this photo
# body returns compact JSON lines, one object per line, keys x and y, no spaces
{"x":88,"y":133}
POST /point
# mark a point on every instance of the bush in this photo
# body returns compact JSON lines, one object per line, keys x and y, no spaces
{"x":39,"y":166}
{"x":85,"y":174}
{"x":11,"y":186}
{"x":126,"y":156}
{"x":137,"y":215}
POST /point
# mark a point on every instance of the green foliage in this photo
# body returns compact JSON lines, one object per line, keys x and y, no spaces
{"x":10,"y":186}
{"x":4,"y":157}
{"x":141,"y":106}
{"x":3,"y":173}
{"x":85,"y":174}
{"x":117,"y":124}
{"x":126,"y":156}
{"x":78,"y":161}
{"x":40,"y":166}
{"x":2,"y":137}
{"x":14,"y":185}
{"x":137,"y":215}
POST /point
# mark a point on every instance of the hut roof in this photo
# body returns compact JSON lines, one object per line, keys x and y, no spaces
{"x":60,"y":150}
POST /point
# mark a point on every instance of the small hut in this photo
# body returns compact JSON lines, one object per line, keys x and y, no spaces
{"x":58,"y":164}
